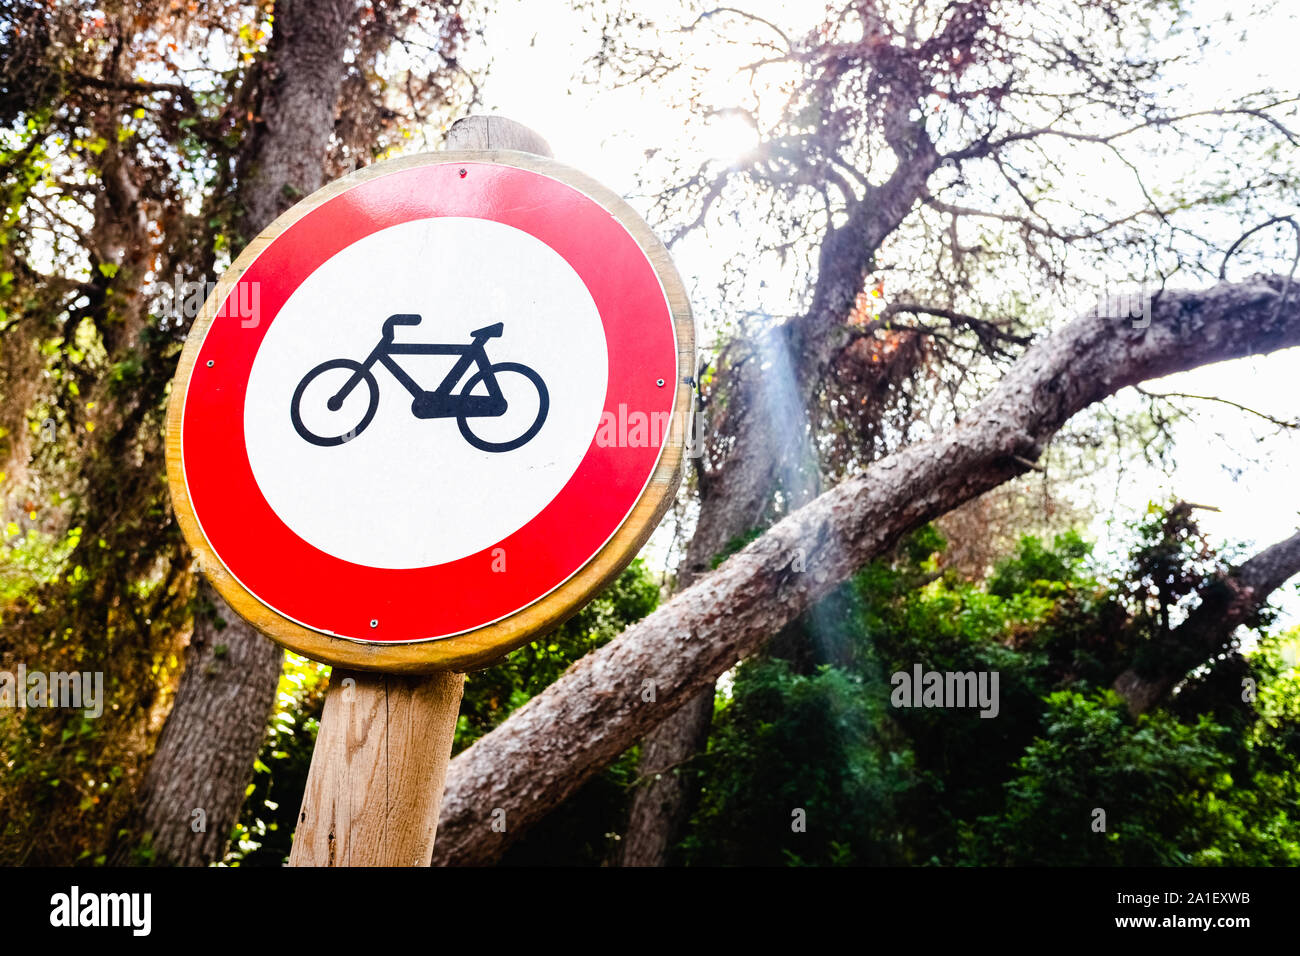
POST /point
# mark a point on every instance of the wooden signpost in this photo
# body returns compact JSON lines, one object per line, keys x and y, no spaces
{"x":456,"y":411}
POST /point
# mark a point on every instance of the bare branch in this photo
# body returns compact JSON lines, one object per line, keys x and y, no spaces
{"x":1281,"y":423}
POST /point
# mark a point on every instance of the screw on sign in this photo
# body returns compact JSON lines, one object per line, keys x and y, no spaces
{"x":441,"y":345}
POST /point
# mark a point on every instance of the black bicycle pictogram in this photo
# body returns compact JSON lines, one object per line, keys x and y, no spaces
{"x":462,"y":405}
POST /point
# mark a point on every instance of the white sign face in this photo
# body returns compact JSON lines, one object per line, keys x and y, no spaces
{"x":388,"y":479}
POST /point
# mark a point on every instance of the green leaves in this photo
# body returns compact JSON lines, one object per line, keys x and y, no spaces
{"x":809,"y":725}
{"x":262,"y":834}
{"x":492,"y":695}
{"x":1166,"y":786}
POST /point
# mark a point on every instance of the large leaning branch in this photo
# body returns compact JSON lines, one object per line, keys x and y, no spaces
{"x":1209,"y":627}
{"x":610,"y":698}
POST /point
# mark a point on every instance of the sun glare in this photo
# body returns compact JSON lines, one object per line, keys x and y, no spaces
{"x":729,"y":135}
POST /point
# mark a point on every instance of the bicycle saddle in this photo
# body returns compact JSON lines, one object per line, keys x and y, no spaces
{"x":489,"y":331}
{"x":400,"y":319}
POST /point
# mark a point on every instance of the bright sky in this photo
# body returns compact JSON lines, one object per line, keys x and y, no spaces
{"x":538,"y":48}
{"x":1258,"y":499}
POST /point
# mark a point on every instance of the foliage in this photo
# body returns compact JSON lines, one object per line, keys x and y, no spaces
{"x":1198,"y":781}
{"x":492,"y":694}
{"x":1169,"y":789}
{"x":788,"y":742}
{"x":264,"y":832}
{"x":1035,"y":562}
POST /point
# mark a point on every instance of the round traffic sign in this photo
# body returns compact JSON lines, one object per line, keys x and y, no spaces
{"x":432,"y":409}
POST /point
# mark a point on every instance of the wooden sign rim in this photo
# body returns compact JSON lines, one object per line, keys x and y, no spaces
{"x":487,"y":644}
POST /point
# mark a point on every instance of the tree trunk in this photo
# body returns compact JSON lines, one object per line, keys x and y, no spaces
{"x":667,"y":793}
{"x":204,"y":758}
{"x":559,"y":739}
{"x":202,"y":765}
{"x":766,"y":426}
{"x":732,"y":504}
{"x":772,"y":451}
{"x":299,"y":102}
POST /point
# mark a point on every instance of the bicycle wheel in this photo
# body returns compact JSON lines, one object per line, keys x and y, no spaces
{"x":513,"y":390}
{"x":320,"y":409}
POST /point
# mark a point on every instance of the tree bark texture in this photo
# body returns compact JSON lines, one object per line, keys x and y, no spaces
{"x":666,"y":792}
{"x":195,"y":784}
{"x":305,"y":68}
{"x":583,"y":721}
{"x":205,"y":754}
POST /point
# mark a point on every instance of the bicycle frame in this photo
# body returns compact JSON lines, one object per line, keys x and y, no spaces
{"x":440,"y":403}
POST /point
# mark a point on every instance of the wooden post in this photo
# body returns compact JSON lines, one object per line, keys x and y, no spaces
{"x":377,"y":774}
{"x":495,"y":132}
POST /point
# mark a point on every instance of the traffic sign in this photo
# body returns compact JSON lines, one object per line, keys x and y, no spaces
{"x":432,"y":409}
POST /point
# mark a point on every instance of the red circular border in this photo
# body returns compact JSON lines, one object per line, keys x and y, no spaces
{"x":323,"y":592}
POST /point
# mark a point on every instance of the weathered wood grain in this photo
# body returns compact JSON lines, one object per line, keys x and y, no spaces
{"x":377,"y":773}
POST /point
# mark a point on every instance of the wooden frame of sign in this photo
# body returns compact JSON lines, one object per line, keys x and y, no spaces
{"x":481,"y":647}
